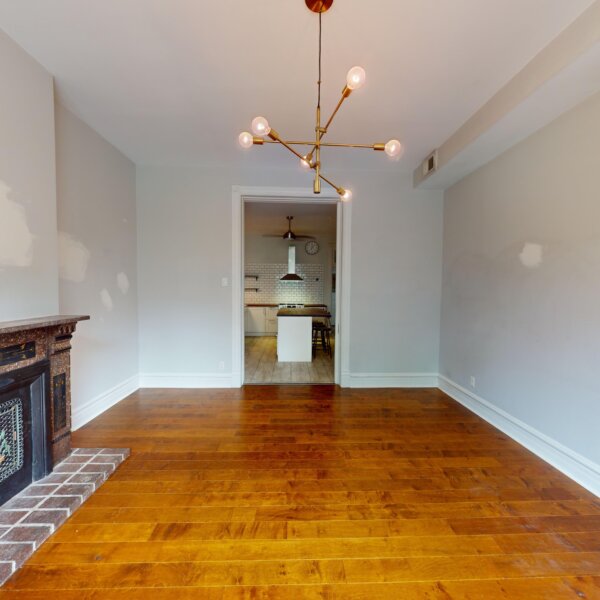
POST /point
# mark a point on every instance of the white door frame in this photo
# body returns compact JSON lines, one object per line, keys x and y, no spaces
{"x":241,"y":194}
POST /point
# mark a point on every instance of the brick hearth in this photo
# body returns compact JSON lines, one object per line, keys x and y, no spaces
{"x":33,"y":515}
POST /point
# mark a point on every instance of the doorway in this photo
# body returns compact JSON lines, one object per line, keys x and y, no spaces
{"x":262,"y":256}
{"x":289,"y":292}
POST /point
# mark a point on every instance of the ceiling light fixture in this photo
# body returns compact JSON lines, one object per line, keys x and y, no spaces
{"x":355,"y":79}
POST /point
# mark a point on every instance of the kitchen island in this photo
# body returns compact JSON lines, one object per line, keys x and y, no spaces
{"x":294,"y":332}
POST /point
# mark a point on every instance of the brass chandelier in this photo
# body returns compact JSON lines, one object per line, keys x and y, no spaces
{"x":261,"y":129}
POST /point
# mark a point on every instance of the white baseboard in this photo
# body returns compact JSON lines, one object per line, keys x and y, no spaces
{"x":83,"y":414}
{"x":389,"y":380}
{"x":573,"y":465}
{"x":236,"y":380}
{"x":186,"y":380}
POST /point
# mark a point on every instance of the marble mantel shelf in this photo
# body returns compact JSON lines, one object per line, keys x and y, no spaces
{"x":39,"y":323}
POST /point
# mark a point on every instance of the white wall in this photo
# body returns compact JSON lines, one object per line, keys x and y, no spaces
{"x":396,"y":276}
{"x":521,"y":286}
{"x":184,"y":249}
{"x":98,"y":263}
{"x":28,"y":244}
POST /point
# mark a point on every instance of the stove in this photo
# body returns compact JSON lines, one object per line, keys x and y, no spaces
{"x":291,"y":305}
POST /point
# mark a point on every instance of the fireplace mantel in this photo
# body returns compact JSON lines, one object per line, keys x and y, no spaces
{"x":29,"y":341}
{"x":39,"y":322}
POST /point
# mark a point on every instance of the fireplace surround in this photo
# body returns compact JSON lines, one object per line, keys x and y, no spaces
{"x":35,"y":399}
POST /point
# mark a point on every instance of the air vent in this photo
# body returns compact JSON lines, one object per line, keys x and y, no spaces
{"x":430,"y":163}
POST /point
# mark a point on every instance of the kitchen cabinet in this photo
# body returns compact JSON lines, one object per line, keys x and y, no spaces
{"x":255,"y":321}
{"x":260,"y":320}
{"x":271,"y":320}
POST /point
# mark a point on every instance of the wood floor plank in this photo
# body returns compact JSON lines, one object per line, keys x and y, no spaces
{"x":275,"y":492}
{"x":305,"y":499}
{"x":219,"y":550}
{"x":511,"y":488}
{"x":292,"y":572}
{"x":551,"y":588}
{"x":199,"y":551}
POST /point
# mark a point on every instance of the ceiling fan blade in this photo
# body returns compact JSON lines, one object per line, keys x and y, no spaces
{"x":298,"y":237}
{"x":289,"y":235}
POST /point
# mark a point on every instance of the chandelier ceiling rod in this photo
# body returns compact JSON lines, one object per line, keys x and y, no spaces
{"x":354,"y":80}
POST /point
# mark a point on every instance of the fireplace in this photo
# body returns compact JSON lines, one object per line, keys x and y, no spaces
{"x":25,"y":453}
{"x":35,"y":399}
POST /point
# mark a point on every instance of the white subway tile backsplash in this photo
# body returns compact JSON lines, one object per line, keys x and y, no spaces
{"x":273,"y":291}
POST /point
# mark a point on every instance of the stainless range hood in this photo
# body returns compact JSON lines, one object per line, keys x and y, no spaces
{"x":291,"y":274}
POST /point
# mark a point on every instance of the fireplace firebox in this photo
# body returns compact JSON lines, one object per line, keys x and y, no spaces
{"x":25,"y":453}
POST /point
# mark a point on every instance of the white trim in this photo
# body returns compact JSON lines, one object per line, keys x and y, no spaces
{"x":573,"y":465}
{"x":239,"y":194}
{"x":96,"y":406}
{"x":342,"y":294}
{"x":237,"y":291}
{"x":186,"y":380}
{"x":389,"y":380}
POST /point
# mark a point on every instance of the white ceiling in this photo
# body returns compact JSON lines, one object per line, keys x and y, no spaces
{"x":309,"y":218}
{"x":175,"y":81}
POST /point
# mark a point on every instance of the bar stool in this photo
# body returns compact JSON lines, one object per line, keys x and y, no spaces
{"x":321,"y":334}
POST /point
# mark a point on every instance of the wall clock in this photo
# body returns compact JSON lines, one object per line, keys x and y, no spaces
{"x":311,"y":247}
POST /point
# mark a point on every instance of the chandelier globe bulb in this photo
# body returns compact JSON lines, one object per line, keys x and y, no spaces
{"x":245,"y":139}
{"x":393,"y":148}
{"x":356,"y":78}
{"x":346,"y":195}
{"x":260,"y":126}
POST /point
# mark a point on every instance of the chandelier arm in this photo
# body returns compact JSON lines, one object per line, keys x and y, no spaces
{"x":277,"y":140}
{"x":337,"y":188}
{"x":345,"y":94}
{"x":378,"y":146}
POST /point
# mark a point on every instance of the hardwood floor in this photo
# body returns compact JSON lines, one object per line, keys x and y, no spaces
{"x":262,"y":367}
{"x":315,"y":492}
